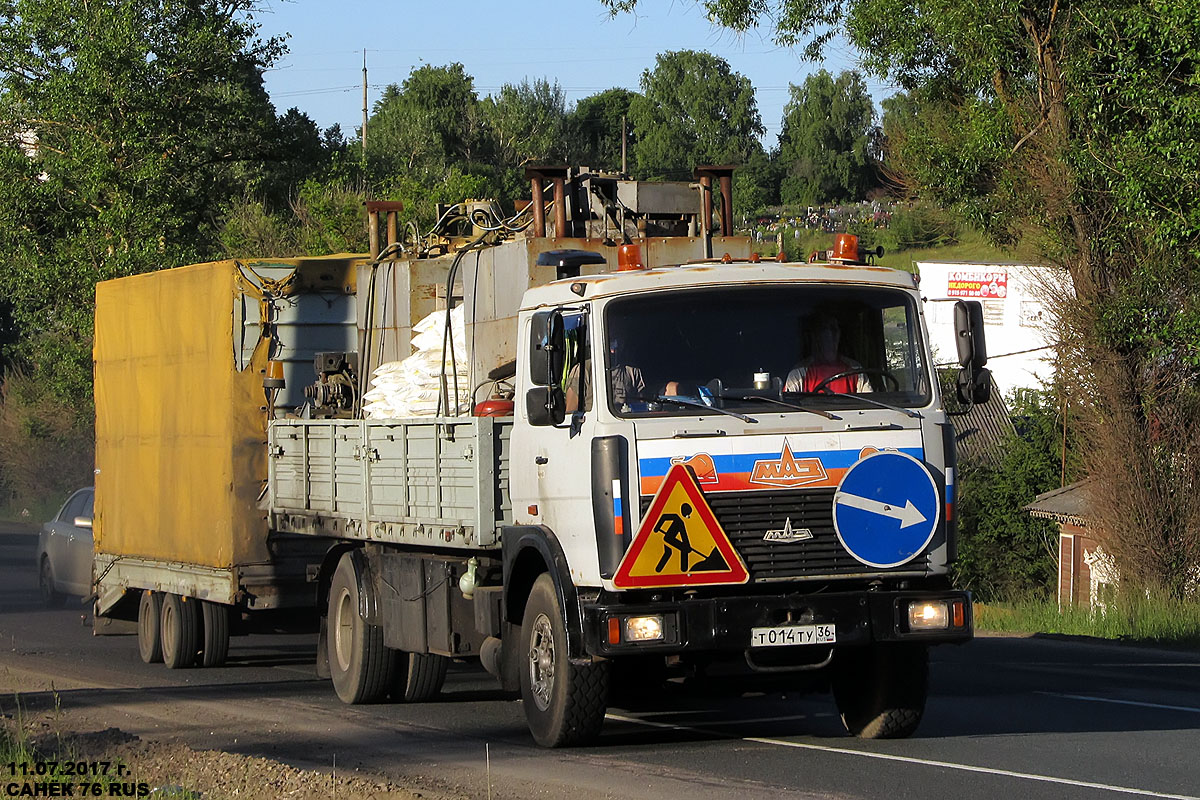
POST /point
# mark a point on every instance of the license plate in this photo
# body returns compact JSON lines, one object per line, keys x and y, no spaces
{"x":786,"y":635}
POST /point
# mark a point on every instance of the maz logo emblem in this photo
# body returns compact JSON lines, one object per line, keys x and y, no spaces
{"x":787,"y":533}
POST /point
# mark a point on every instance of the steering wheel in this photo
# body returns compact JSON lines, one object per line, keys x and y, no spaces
{"x":883,"y":373}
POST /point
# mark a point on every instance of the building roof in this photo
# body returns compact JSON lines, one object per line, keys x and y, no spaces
{"x":981,"y":433}
{"x":1068,"y":504}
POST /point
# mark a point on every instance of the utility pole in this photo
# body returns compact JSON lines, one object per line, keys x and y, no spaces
{"x":364,"y":125}
{"x":624,"y":163}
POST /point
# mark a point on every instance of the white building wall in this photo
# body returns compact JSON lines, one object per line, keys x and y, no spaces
{"x":1016,"y":302}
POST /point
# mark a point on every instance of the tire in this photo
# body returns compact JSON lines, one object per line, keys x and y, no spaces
{"x":149,"y":631}
{"x":215,"y":637}
{"x":361,"y":666}
{"x":51,"y":597}
{"x":180,"y":623}
{"x":880,"y":690}
{"x":564,"y":702}
{"x":418,"y":676}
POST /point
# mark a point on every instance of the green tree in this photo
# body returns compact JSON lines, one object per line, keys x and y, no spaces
{"x":824,"y":146}
{"x":527,"y":122}
{"x":594,"y":130}
{"x":756,"y":184}
{"x":123,"y":129}
{"x":1077,"y":123}
{"x":425,"y":125}
{"x":693,"y":110}
{"x":298,"y":151}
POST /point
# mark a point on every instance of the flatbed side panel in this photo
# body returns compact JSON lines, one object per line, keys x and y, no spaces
{"x":426,"y":481}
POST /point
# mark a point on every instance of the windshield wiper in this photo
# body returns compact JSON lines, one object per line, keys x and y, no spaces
{"x":693,"y":404}
{"x":865,"y":399}
{"x":785,"y":404}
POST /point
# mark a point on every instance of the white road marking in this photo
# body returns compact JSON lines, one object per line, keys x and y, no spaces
{"x":1028,"y":776}
{"x":1190,"y":709}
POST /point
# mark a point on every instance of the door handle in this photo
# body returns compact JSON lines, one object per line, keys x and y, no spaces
{"x":541,"y":460}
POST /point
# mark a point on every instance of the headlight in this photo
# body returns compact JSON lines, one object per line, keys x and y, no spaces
{"x":927,"y":615}
{"x":644,"y":629}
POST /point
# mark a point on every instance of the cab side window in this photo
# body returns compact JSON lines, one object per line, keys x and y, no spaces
{"x":577,"y":366}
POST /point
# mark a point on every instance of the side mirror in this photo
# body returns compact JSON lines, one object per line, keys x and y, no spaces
{"x":545,"y":405}
{"x":547,"y":348}
{"x":83,"y":522}
{"x":968,"y":333}
{"x":974,"y":386}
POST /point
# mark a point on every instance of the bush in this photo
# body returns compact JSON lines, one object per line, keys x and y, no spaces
{"x":910,"y":228}
{"x":46,"y":444}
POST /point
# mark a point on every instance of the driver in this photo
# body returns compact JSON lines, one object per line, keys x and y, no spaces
{"x":626,"y":380}
{"x":825,"y":362}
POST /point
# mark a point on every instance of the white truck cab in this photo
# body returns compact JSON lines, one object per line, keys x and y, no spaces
{"x":746,"y":459}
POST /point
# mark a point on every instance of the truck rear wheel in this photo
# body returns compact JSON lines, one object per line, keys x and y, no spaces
{"x":179,"y":631}
{"x":149,"y":627}
{"x":215,"y":646}
{"x":564,"y":702}
{"x":419,"y":676}
{"x":361,"y":666}
{"x":880,"y":690}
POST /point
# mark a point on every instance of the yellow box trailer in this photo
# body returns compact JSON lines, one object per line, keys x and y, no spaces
{"x":181,"y":416}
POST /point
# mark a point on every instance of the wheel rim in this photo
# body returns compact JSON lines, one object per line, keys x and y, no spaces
{"x":46,"y":580}
{"x":343,"y":629}
{"x":541,"y":662}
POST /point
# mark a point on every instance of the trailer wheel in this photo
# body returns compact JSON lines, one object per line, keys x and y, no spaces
{"x":215,"y":639}
{"x":564,"y":702}
{"x":419,"y":676}
{"x":179,"y":631}
{"x":361,"y":666}
{"x":880,"y":690}
{"x":149,"y":631}
{"x":51,"y":597}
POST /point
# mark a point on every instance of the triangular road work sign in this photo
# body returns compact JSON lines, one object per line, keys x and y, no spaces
{"x":680,"y":542}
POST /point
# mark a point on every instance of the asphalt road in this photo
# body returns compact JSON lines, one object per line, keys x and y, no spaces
{"x":1007,"y":718}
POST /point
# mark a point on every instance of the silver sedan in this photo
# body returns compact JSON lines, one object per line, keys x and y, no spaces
{"x":64,"y":555}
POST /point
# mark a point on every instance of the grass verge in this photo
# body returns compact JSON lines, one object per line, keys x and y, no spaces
{"x":1139,"y":620}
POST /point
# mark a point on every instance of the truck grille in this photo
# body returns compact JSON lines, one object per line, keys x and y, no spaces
{"x":747,"y":516}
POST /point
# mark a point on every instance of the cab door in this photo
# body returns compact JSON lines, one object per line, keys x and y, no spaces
{"x":552,"y":451}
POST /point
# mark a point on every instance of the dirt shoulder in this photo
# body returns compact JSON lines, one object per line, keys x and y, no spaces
{"x":172,"y":769}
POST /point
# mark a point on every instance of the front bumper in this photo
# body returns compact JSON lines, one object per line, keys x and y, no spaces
{"x":723,"y":624}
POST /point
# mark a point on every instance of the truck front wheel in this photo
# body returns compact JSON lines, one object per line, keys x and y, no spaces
{"x":880,"y":690}
{"x":564,"y":702}
{"x":361,"y":666}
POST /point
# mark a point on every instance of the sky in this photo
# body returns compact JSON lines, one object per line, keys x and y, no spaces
{"x":574,"y":42}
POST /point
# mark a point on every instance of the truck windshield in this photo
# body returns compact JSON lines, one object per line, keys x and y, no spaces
{"x":820,"y":347}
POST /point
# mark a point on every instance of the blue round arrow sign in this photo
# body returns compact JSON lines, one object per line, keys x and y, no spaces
{"x":886,"y":509}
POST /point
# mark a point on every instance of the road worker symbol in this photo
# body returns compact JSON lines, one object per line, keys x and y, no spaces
{"x":680,"y":542}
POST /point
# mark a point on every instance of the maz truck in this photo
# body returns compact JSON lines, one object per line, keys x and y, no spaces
{"x":673,"y":470}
